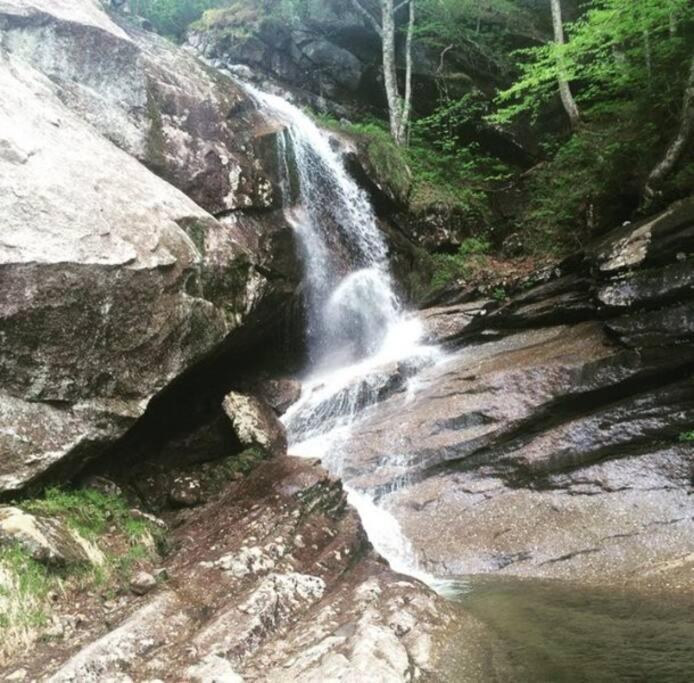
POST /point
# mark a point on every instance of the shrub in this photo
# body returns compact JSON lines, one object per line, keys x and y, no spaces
{"x":471,"y":255}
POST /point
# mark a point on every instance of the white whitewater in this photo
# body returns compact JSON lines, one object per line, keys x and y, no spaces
{"x":357,"y":330}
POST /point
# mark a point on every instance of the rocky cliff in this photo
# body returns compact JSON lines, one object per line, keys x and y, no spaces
{"x":147,"y":269}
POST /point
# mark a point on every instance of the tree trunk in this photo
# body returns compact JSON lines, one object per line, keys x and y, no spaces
{"x":678,"y":145}
{"x":567,"y":98}
{"x":407,"y":104}
{"x":390,"y":74}
{"x":398,"y":109}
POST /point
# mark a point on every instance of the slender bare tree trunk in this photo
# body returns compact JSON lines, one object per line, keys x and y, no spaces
{"x":398,"y":108}
{"x":679,"y":143}
{"x":407,"y":103}
{"x":390,"y":74}
{"x":567,"y":98}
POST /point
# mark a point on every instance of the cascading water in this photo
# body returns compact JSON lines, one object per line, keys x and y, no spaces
{"x":357,"y":331}
{"x":350,"y":300}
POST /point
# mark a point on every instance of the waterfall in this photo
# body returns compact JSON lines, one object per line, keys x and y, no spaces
{"x":350,"y":299}
{"x":358,"y":332}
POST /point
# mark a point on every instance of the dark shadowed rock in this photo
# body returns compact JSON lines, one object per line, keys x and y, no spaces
{"x":279,"y":394}
{"x":185,"y":492}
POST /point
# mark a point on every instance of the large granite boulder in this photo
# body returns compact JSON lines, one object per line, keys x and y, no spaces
{"x":155,"y":101}
{"x":114,"y":282}
{"x":255,"y":423}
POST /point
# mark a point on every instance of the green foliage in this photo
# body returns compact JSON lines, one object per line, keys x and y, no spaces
{"x":172,"y":17}
{"x":591,"y":179}
{"x":222,"y":471}
{"x":687,"y":437}
{"x":448,"y":171}
{"x":433,"y":170}
{"x":470,"y":256}
{"x":499,"y":294}
{"x":614,"y":50}
{"x":92,"y":514}
{"x":24,"y":585}
{"x":476,"y":27}
{"x":89,"y":512}
{"x":242,"y":18}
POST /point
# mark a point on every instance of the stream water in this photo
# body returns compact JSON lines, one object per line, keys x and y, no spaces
{"x":359,"y":338}
{"x":358,"y":332}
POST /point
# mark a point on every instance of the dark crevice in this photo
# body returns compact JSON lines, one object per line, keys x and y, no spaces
{"x":570,"y":556}
{"x":271,"y":341}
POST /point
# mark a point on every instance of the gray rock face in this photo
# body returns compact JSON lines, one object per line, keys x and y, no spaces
{"x":290,"y":590}
{"x":315,"y":56}
{"x":113,"y":282}
{"x":154,"y":101}
{"x":548,"y":442}
{"x":279,"y":394}
{"x":142,"y":583}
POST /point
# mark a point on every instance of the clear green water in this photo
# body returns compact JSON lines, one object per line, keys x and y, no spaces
{"x":555,"y":632}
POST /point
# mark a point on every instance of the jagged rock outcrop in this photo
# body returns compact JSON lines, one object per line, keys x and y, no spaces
{"x":114,"y":282}
{"x":330,"y":51}
{"x":554,"y":440}
{"x":272,"y":580}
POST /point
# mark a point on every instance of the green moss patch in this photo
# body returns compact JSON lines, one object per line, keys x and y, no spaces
{"x":34,"y":595}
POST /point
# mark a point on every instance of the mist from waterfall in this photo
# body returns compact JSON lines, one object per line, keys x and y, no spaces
{"x":357,"y":330}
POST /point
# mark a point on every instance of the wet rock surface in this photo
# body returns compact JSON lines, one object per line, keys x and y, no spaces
{"x":551,"y":441}
{"x":279,"y":394}
{"x":272,"y":580}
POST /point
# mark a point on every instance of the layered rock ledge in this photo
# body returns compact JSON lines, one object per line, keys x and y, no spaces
{"x":271,"y":580}
{"x":554,"y":441}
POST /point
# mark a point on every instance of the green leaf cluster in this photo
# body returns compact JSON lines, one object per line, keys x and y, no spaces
{"x":617,"y":49}
{"x":172,"y":17}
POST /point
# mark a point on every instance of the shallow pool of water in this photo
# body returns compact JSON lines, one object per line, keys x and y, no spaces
{"x":553,"y":631}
